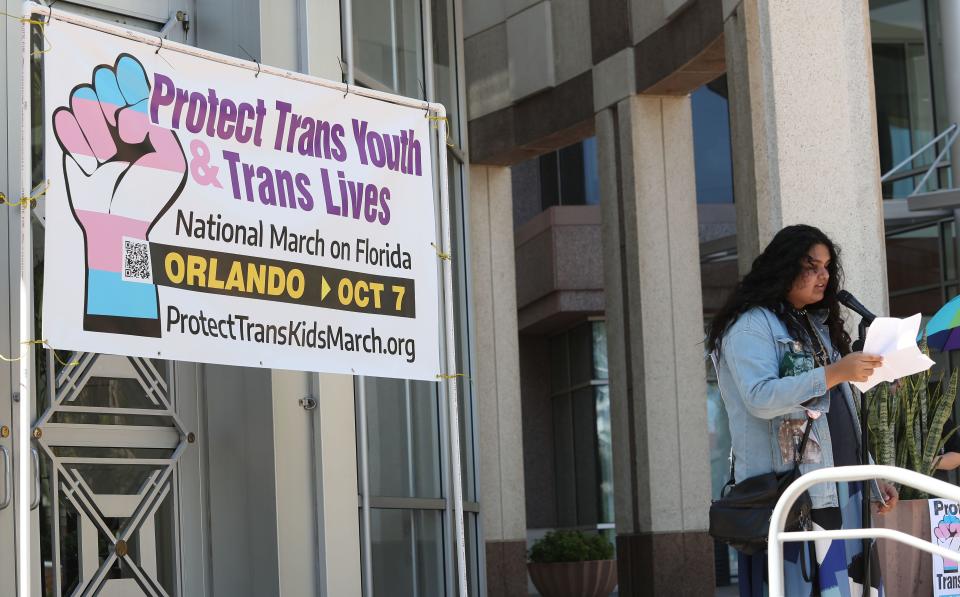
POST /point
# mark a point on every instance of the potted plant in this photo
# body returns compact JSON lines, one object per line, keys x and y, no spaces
{"x":573,"y":564}
{"x":907,"y":430}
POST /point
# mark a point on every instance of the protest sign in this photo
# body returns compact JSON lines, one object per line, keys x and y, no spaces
{"x":945,"y":531}
{"x":198,"y":211}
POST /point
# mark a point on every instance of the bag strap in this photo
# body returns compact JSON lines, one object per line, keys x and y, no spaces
{"x":812,"y":577}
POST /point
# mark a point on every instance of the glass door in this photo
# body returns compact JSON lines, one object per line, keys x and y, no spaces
{"x":114,"y":445}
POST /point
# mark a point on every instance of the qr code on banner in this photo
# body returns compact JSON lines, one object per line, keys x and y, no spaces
{"x":136,"y":261}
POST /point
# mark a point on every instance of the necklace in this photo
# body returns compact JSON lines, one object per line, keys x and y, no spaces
{"x":820,"y":354}
{"x":819,"y":350}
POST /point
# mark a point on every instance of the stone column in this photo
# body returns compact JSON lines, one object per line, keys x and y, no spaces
{"x":655,"y":351}
{"x":804,"y":131}
{"x":497,"y":380}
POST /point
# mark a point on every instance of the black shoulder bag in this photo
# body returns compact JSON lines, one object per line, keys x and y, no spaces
{"x":741,"y":517}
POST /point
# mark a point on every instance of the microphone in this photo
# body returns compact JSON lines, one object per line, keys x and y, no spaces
{"x":850,"y":302}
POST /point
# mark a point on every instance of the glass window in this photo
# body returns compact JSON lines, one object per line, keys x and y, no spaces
{"x":925,"y":302}
{"x":600,"y":350}
{"x":444,"y":74}
{"x":472,"y":537}
{"x":711,"y":143}
{"x":406,"y":421}
{"x":906,"y":116}
{"x":569,"y":176}
{"x":591,"y":177}
{"x":549,"y":181}
{"x":572,"y":179}
{"x":403,"y":437}
{"x":408,"y":557}
{"x":605,"y":453}
{"x":583,"y":455}
{"x":913,"y":258}
{"x":388,"y":45}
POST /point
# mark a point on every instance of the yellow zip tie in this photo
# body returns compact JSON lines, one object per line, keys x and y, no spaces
{"x":44,"y":343}
{"x":449,"y":375}
{"x":435,"y":120}
{"x":440,"y":254}
{"x":40,"y":24}
{"x":32,"y":200}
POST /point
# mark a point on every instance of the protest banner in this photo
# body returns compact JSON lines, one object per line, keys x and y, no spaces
{"x":945,"y":531}
{"x":198,"y":211}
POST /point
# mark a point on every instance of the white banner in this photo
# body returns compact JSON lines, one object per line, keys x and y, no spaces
{"x":945,"y":531}
{"x":198,"y":212}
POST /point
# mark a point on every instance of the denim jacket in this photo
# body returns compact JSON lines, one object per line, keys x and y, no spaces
{"x":758,"y":400}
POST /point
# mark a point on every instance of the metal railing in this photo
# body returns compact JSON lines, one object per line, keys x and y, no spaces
{"x":777,"y":536}
{"x":950,"y":134}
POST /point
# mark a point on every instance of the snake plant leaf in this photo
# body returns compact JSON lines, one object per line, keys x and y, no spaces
{"x":939,"y":418}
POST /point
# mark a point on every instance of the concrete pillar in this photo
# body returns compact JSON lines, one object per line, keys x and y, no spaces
{"x":338,"y":516}
{"x":497,"y":380}
{"x":950,"y":34}
{"x":804,"y":131}
{"x":655,"y":329}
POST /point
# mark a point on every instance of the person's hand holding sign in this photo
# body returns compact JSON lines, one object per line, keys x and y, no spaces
{"x":123,"y":172}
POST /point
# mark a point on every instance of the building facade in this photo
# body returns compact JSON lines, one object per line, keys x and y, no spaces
{"x":236,"y":481}
{"x":613,"y":166}
{"x":646,"y":138}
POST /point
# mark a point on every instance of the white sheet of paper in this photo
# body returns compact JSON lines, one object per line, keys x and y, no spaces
{"x":896,"y":341}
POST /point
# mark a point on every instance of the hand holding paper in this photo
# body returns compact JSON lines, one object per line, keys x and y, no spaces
{"x":896,"y":341}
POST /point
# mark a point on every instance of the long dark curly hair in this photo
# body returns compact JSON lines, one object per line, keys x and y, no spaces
{"x":770,"y":280}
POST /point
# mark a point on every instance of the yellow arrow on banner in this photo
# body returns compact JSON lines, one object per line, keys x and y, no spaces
{"x":324,"y":288}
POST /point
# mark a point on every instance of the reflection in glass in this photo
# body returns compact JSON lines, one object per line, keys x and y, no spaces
{"x":471,"y":537}
{"x":903,"y":90}
{"x":407,"y":552}
{"x":913,"y":258}
{"x":445,"y":76}
{"x":605,"y":454}
{"x":925,"y":302}
{"x":587,"y":459}
{"x":389,"y":44}
{"x":600,"y":350}
{"x":403,"y":437}
{"x":582,"y":450}
{"x":711,"y":144}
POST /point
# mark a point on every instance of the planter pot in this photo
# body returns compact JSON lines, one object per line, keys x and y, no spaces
{"x":906,"y":571}
{"x":597,"y":578}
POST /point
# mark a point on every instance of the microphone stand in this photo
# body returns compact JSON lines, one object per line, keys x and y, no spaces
{"x":866,"y":521}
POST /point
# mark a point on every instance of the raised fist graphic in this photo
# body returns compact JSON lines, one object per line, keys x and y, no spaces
{"x":948,"y":535}
{"x":122,"y":173}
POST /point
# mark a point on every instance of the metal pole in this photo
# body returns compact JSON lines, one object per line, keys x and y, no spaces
{"x":24,"y":466}
{"x":361,"y":382}
{"x":303,"y":37}
{"x":866,"y":522}
{"x":365,"y":486}
{"x":347,"y":7}
{"x":451,"y":360}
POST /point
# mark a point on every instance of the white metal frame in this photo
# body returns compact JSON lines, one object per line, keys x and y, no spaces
{"x":436,"y":110}
{"x":777,"y":536}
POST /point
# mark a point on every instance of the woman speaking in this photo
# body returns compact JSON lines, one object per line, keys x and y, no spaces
{"x":783,"y":359}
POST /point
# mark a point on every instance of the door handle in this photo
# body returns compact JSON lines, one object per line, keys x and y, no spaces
{"x":36,"y":480}
{"x":7,"y":477}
